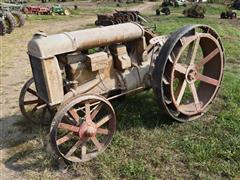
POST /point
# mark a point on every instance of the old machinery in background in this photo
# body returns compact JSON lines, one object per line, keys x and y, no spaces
{"x":195,"y":11}
{"x":118,"y":17}
{"x":10,"y":17}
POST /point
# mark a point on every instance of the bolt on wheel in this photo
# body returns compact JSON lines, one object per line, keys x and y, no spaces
{"x":33,"y":108}
{"x":192,"y":72}
{"x":83,"y":128}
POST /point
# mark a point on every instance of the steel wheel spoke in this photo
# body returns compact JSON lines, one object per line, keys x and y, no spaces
{"x":180,"y":68}
{"x":41,"y":105}
{"x":95,"y":111}
{"x":32,"y":92}
{"x":103,"y":120}
{"x":31,"y":102}
{"x":80,"y":142}
{"x":189,"y":54}
{"x":195,"y":95}
{"x":74,"y":114}
{"x":180,"y":91}
{"x":96,"y":142}
{"x":102,"y":131}
{"x":84,"y":151}
{"x":194,"y":53}
{"x":68,"y":127}
{"x":207,"y":79}
{"x":208,"y":57}
{"x":66,"y":119}
{"x":64,"y":139}
{"x":74,"y":148}
{"x":88,"y":113}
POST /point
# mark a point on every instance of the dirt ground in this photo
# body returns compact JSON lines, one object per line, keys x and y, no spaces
{"x":15,"y":71}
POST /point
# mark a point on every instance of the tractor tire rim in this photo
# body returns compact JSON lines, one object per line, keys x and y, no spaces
{"x":196,"y":73}
{"x":83,"y":128}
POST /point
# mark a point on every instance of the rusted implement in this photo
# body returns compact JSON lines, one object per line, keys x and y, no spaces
{"x":195,"y":11}
{"x":118,"y":17}
{"x":76,"y":74}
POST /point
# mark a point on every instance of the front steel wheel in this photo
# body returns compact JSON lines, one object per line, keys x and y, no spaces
{"x":82,"y":128}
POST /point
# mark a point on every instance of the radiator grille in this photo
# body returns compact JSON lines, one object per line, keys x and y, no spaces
{"x":39,"y":78}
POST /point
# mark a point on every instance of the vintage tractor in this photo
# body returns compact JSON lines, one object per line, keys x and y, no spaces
{"x":58,"y":9}
{"x":77,"y":74}
{"x":15,"y":10}
{"x":7,"y":21}
{"x":12,"y":7}
{"x":46,"y":10}
{"x":230,"y":14}
{"x":195,"y":11}
{"x":37,"y":9}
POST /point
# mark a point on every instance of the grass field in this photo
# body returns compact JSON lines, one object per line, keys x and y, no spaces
{"x":148,"y":145}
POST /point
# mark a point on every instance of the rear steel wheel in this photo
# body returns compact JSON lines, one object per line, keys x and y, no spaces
{"x":32,"y":107}
{"x":188,"y":72}
{"x":82,"y":128}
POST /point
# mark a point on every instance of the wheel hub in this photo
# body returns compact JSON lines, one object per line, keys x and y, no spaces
{"x":87,"y":130}
{"x":191,"y":75}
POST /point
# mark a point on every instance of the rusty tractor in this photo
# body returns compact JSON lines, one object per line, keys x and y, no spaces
{"x":46,"y":10}
{"x":36,"y":9}
{"x":10,"y":17}
{"x":77,"y":74}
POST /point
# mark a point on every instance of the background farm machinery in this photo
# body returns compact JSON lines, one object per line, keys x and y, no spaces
{"x":46,"y":10}
{"x":235,"y":5}
{"x":163,"y":11}
{"x":231,"y":10}
{"x":77,"y":74}
{"x":118,"y":17}
{"x":196,"y":10}
{"x":230,"y":14}
{"x":174,"y":3}
{"x":10,"y":17}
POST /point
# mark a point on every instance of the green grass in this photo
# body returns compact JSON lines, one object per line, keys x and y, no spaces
{"x":148,"y":145}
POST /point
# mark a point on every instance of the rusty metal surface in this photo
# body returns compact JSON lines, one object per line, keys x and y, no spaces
{"x":83,"y":119}
{"x":117,"y":18}
{"x":78,"y":73}
{"x":190,"y":62}
{"x":44,"y":47}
